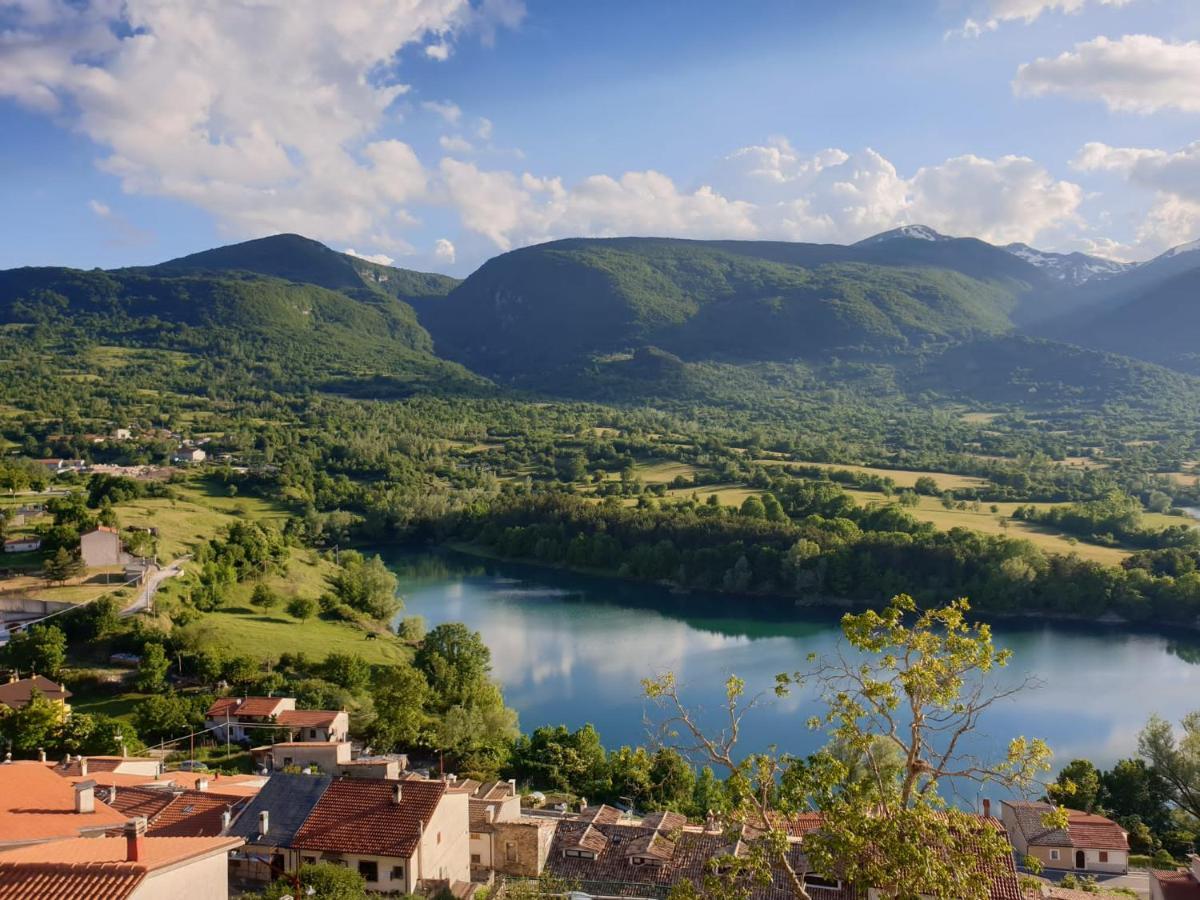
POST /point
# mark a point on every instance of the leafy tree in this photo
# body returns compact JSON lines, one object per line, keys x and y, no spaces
{"x":62,"y":565}
{"x":35,"y":725}
{"x":152,"y":671}
{"x":411,"y":628}
{"x":346,"y":670}
{"x":166,"y":716}
{"x":753,"y":508}
{"x":325,"y":881}
{"x":366,"y":585}
{"x":301,"y":607}
{"x":919,"y":679}
{"x":572,"y":761}
{"x":926,"y":485}
{"x":40,"y":649}
{"x":455,"y":662}
{"x":263,"y":597}
{"x":1176,"y":761}
{"x":1131,"y":789}
{"x":400,"y":720}
{"x":1077,"y":785}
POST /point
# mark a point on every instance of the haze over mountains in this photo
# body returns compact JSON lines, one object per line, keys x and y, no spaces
{"x":942,"y":313}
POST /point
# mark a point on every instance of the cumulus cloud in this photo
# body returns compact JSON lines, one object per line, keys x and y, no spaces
{"x":439,"y":51}
{"x":771,"y":191}
{"x":1174,"y":179}
{"x":455,"y":144}
{"x":267,"y":135}
{"x":1138,"y":73}
{"x":449,"y":111}
{"x":443,"y":251}
{"x":382,"y":258}
{"x":998,"y":12}
{"x":483,"y":129}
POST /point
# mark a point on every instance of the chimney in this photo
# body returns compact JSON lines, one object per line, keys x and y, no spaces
{"x":202,"y":784}
{"x":513,"y":783}
{"x":83,"y":766}
{"x":226,"y":821}
{"x":112,"y":795}
{"x":398,"y":796}
{"x":85,"y":796}
{"x":264,"y":822}
{"x":987,"y":807}
{"x":135,"y":839}
{"x":490,"y":814}
{"x":582,"y":803}
{"x":41,"y":754}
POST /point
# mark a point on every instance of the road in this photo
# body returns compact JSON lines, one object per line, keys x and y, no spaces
{"x":145,"y":598}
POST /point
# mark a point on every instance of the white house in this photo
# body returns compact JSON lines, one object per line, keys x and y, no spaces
{"x":22,"y":544}
{"x":190,"y":455}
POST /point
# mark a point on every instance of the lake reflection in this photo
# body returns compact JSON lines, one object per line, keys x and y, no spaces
{"x":571,"y":649}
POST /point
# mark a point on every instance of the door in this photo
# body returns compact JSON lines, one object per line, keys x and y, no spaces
{"x":1080,"y":859}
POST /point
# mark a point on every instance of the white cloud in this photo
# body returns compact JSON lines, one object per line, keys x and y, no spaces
{"x":1174,"y":179}
{"x":483,"y":129}
{"x":1138,"y":73}
{"x":997,"y":12}
{"x":771,"y":191}
{"x":455,"y":144}
{"x":440,"y":51}
{"x":443,"y":251}
{"x":190,"y":102}
{"x":446,"y":109}
{"x":100,"y":209}
{"x":382,"y":258}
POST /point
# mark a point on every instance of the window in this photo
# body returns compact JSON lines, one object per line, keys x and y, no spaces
{"x":1103,"y":856}
{"x":397,"y":873}
{"x":510,"y":851}
{"x":476,"y":836}
{"x":578,"y":854}
{"x":814,"y":880}
{"x":476,"y":859}
{"x":368,"y":869}
{"x":1054,"y":854}
{"x":439,"y":839}
{"x":312,"y":734}
{"x":310,"y":860}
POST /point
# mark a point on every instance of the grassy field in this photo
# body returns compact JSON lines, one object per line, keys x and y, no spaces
{"x":904,"y":478}
{"x":664,"y":471}
{"x":931,"y":510}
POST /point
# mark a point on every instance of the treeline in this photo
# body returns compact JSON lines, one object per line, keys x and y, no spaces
{"x":822,"y":547}
{"x":1114,"y":519}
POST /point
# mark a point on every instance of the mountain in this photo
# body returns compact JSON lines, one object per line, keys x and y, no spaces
{"x":534,"y":310}
{"x":1073,"y":269}
{"x":915,"y":232}
{"x":300,"y":259}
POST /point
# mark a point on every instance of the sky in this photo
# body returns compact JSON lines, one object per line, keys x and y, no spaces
{"x":434,"y":134}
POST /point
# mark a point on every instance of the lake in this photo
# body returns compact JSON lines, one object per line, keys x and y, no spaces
{"x":571,"y":649}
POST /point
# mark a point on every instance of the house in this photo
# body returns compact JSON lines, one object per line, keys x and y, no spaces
{"x":389,"y":765}
{"x":1089,"y":842}
{"x":324,"y":756}
{"x":241,"y":719}
{"x":36,"y":805}
{"x":22,"y":544}
{"x":268,"y":825}
{"x":122,"y":434}
{"x":102,"y":547}
{"x":17,"y":693}
{"x":129,"y":867}
{"x":502,"y":840}
{"x":146,"y":767}
{"x":398,"y":835}
{"x":175,"y":813}
{"x":315,"y":724}
{"x":1183,"y":884}
{"x":189,"y":455}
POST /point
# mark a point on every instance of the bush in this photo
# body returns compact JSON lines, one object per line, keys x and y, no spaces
{"x":302,"y":607}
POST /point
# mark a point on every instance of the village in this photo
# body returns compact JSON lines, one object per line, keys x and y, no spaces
{"x":128,"y":826}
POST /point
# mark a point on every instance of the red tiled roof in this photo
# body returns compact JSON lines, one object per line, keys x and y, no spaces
{"x":362,"y":816}
{"x":237,"y":707}
{"x":1096,"y":832}
{"x":36,"y":804}
{"x":136,"y":801}
{"x":43,"y":881}
{"x":176,"y":813}
{"x":308,"y":718}
{"x":157,"y":852}
{"x":16,"y":694}
{"x":1179,"y":885}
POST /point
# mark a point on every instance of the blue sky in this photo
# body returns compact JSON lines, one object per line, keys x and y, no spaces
{"x":436,"y":133}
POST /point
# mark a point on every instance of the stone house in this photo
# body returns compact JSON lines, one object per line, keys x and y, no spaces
{"x":1089,"y":843}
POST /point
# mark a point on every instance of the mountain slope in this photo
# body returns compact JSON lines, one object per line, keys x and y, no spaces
{"x":300,"y":259}
{"x":559,"y":304}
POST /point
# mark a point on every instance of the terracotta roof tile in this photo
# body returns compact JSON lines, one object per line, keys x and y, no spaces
{"x":308,"y":718}
{"x":244,"y":707}
{"x":95,"y":881}
{"x":177,"y":813}
{"x":1178,"y":885}
{"x":16,"y":694}
{"x":362,"y":816}
{"x":36,"y":804}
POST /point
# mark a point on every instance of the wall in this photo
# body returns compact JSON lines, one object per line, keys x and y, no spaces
{"x":449,"y":858}
{"x":385,"y":883}
{"x":532,"y":843}
{"x":1118,"y":860}
{"x":206,"y":879}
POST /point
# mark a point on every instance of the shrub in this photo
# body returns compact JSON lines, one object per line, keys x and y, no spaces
{"x":302,"y":607}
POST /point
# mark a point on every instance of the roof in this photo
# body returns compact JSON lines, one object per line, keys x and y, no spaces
{"x":158,"y":852}
{"x":239,"y":707}
{"x":97,"y":765}
{"x":600,"y":815}
{"x":16,"y":694}
{"x":1178,"y":885}
{"x":288,"y":799}
{"x":176,"y":813}
{"x":36,"y":805}
{"x":1084,"y":830}
{"x":228,"y":785}
{"x":308,"y":718}
{"x":42,"y":881}
{"x":357,"y":815}
{"x":100,"y":528}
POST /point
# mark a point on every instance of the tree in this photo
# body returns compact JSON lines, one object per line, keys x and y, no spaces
{"x":921,"y":681}
{"x":366,"y":585}
{"x":347,"y":670}
{"x":325,"y":881}
{"x":263,"y":597}
{"x":1077,"y":785}
{"x":165,"y":716}
{"x":400,"y":719}
{"x":35,"y":725}
{"x":572,"y":761}
{"x":40,"y":649}
{"x":753,"y":508}
{"x":152,"y":670}
{"x":1132,"y":789}
{"x":62,"y":565}
{"x":456,"y":663}
{"x":1176,"y":761}
{"x":302,"y":607}
{"x":926,"y":485}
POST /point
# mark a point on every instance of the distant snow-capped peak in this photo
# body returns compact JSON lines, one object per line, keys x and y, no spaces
{"x":916,"y":232}
{"x":1072,"y":268}
{"x":1191,"y":247}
